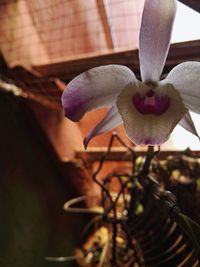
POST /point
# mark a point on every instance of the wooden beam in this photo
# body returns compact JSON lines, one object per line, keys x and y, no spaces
{"x":179,"y":52}
{"x":122,"y":154}
{"x":194,"y":4}
{"x":29,"y":84}
{"x":69,"y":69}
{"x":104,"y":12}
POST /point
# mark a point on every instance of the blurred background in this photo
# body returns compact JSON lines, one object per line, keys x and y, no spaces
{"x":43,"y":45}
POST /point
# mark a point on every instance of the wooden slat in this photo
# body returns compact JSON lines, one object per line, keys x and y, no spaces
{"x":122,"y":154}
{"x":179,"y":52}
{"x":104,"y":13}
{"x":31,"y":85}
{"x":194,"y":4}
{"x":69,"y":69}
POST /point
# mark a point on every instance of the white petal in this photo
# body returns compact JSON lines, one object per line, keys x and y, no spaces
{"x":185,"y":77}
{"x":155,"y":34}
{"x":187,"y":123}
{"x":95,"y":88}
{"x":150,"y":129}
{"x":110,"y":121}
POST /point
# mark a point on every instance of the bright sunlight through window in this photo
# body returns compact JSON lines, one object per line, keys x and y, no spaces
{"x":186,"y":27}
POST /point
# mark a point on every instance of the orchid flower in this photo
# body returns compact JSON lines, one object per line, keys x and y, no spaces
{"x":149,"y":109}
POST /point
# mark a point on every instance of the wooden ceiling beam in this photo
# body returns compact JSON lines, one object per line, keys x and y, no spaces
{"x":179,"y":52}
{"x":194,"y":4}
{"x":104,"y":12}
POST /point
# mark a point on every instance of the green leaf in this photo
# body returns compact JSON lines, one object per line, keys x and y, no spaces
{"x":198,"y":184}
{"x":139,"y":208}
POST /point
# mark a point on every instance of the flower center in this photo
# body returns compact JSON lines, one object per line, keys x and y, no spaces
{"x":151,"y":103}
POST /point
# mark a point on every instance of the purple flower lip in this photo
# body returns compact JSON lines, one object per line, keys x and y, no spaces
{"x":151,"y":103}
